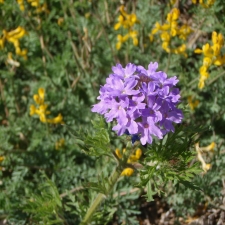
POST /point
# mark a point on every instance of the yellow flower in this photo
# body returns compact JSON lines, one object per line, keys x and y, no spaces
{"x":121,"y":39}
{"x":206,"y":50}
{"x":2,"y":43}
{"x":87,"y":15}
{"x":204,"y":75}
{"x":205,"y":5}
{"x":127,"y":172}
{"x":208,"y":4}
{"x":192,"y":104}
{"x":21,"y":4}
{"x":60,"y":21}
{"x":165,"y":46}
{"x":57,"y":119}
{"x":118,"y":45}
{"x":118,"y":153}
{"x":212,"y":55}
{"x":172,"y":18}
{"x":13,"y":37}
{"x":42,"y":118}
{"x":22,"y":53}
{"x":216,"y":50}
{"x":43,"y":8}
{"x":217,"y":38}
{"x":219,"y":61}
{"x":138,"y":153}
{"x":171,"y":29}
{"x":41,"y":93}
{"x":165,"y":37}
{"x":126,"y":21}
{"x":205,"y":166}
{"x":156,"y":28}
{"x":39,"y":8}
{"x":120,"y":22}
{"x":165,"y":27}
{"x":132,"y":158}
{"x":135,"y":157}
{"x":11,"y":61}
{"x":151,"y":37}
{"x":1,"y":1}
{"x":184,"y":31}
{"x":34,"y":3}
{"x":39,"y":99}
{"x":201,"y":83}
{"x":42,"y":112}
{"x":172,"y":2}
{"x":59,"y":144}
{"x":2,"y":158}
{"x":180,"y":50}
{"x":32,"y":110}
{"x":209,"y":147}
{"x":18,"y":33}
{"x":207,"y":61}
{"x":133,"y":34}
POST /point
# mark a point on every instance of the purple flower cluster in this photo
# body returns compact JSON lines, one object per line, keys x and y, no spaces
{"x":143,"y":102}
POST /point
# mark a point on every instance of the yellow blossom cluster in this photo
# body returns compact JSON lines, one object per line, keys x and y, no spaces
{"x":42,"y":111}
{"x":21,"y":4}
{"x":13,"y":37}
{"x":60,"y":144}
{"x":212,"y":56}
{"x":200,"y":151}
{"x":132,"y":158}
{"x":34,"y":3}
{"x":169,"y":30}
{"x":126,"y":21}
{"x":192,"y":103}
{"x":204,"y":3}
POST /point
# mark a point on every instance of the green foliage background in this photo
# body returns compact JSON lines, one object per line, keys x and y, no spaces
{"x":42,"y":185}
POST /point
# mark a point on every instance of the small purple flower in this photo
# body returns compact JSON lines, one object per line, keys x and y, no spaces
{"x":147,"y":128}
{"x":124,"y":73}
{"x":142,"y":102}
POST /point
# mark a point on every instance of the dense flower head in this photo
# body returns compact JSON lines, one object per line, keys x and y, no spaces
{"x":142,"y":102}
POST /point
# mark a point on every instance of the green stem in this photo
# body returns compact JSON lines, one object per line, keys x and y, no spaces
{"x":100,"y":197}
{"x":215,"y":78}
{"x":111,"y":182}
